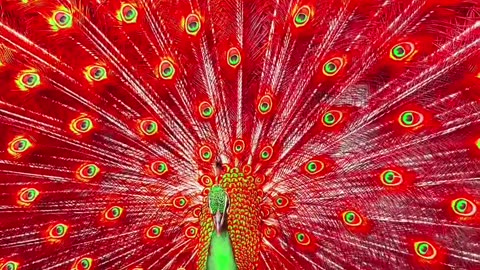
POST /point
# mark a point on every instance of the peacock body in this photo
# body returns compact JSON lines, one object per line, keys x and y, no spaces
{"x":231,"y":134}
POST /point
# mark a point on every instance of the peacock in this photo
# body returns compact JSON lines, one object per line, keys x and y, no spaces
{"x":239,"y":134}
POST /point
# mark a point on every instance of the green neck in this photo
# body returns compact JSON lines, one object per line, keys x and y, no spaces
{"x":221,"y":256}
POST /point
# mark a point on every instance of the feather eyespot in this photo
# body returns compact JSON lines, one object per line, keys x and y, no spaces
{"x":331,"y":118}
{"x":180,"y":202}
{"x":314,"y":167}
{"x":302,"y":238}
{"x":464,"y":207}
{"x":206,"y":110}
{"x":402,"y":51}
{"x":87,"y":172}
{"x":391,"y":178}
{"x":270,"y":232}
{"x":425,"y":250}
{"x":166,"y":69}
{"x":27,"y":79}
{"x":191,"y":232}
{"x":352,"y":218}
{"x":265,"y":104}
{"x":281,"y":202}
{"x":238,"y":146}
{"x":302,"y":16}
{"x":127,"y":14}
{"x":154,"y":232}
{"x":266,"y":153}
{"x":148,"y":127}
{"x":19,"y":146}
{"x":10,"y":265}
{"x":84,"y":263}
{"x":81,"y":124}
{"x":61,"y":19}
{"x":95,"y":73}
{"x":205,"y":153}
{"x":192,"y":24}
{"x":58,"y":231}
{"x":233,"y":57}
{"x":411,"y":119}
{"x":113,"y":213}
{"x":159,"y":167}
{"x":26,"y":196}
{"x":333,"y":66}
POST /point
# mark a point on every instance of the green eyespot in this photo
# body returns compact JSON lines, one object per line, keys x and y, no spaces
{"x":333,"y":66}
{"x":27,"y":79}
{"x":411,"y":119}
{"x":425,"y":250}
{"x":192,"y":24}
{"x":95,"y":73}
{"x":233,"y":57}
{"x":302,"y":16}
{"x":127,"y":14}
{"x":61,"y":19}
{"x":402,"y":51}
{"x":166,"y":69}
{"x":464,"y":207}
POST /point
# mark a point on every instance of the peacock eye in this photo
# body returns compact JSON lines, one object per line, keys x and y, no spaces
{"x":28,"y":195}
{"x":266,"y":153}
{"x":302,"y":238}
{"x":302,"y":16}
{"x":333,"y":66}
{"x":128,"y":13}
{"x":410,"y":119}
{"x":58,"y":231}
{"x":62,"y":19}
{"x":159,"y":167}
{"x":391,"y":178}
{"x":19,"y":145}
{"x":351,"y":218}
{"x":233,"y":57}
{"x":477,"y":143}
{"x":270,"y":232}
{"x":81,"y":125}
{"x":238,"y":146}
{"x":402,"y":51}
{"x":205,"y":180}
{"x":265,"y":104}
{"x":87,"y":172}
{"x":331,"y":118}
{"x":206,"y":110}
{"x":205,"y":153}
{"x":113,"y":213}
{"x":84,"y":263}
{"x":154,"y":231}
{"x":180,"y":202}
{"x":28,"y":80}
{"x":166,"y":70}
{"x":148,"y":127}
{"x":425,"y":250}
{"x":191,"y":232}
{"x":281,"y":201}
{"x":95,"y":73}
{"x":192,"y":24}
{"x":314,"y":167}
{"x":10,"y":265}
{"x":464,"y":207}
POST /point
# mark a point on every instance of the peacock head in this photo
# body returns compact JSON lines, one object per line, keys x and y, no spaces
{"x":219,"y":204}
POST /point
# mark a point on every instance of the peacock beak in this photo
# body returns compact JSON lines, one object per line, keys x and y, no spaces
{"x":218,"y":220}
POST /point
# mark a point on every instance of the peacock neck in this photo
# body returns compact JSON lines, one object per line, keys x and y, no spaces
{"x":221,"y":252}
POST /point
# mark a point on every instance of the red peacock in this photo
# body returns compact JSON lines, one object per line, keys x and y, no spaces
{"x":230,"y":134}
